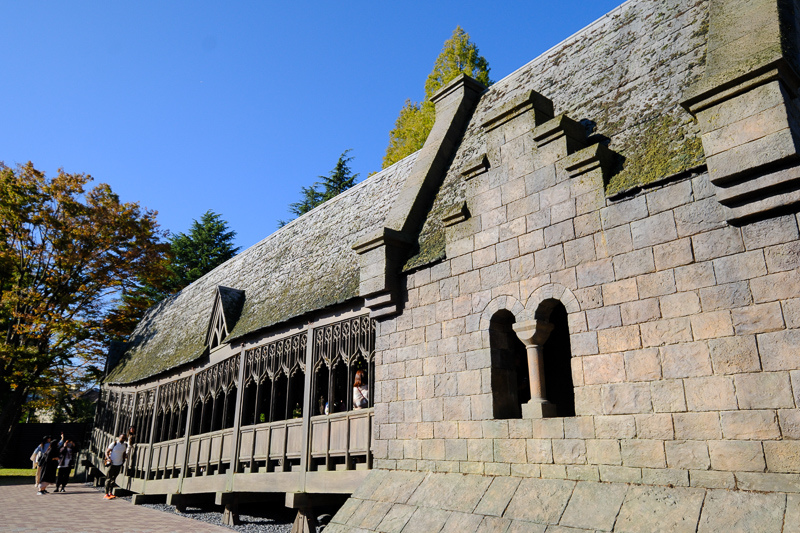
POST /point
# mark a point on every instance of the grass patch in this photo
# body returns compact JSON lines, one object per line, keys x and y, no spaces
{"x":12,"y":472}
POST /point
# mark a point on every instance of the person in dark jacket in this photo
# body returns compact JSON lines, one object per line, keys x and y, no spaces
{"x":49,"y":464}
{"x":65,"y":460}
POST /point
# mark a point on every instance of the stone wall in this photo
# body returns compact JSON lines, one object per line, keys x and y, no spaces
{"x":684,"y":331}
{"x":411,"y":502}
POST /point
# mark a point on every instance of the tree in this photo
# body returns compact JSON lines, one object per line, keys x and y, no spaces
{"x":339,"y":179}
{"x":188,"y":258}
{"x":459,"y":55}
{"x":208,"y":245}
{"x":64,"y":253}
{"x":336,"y":182}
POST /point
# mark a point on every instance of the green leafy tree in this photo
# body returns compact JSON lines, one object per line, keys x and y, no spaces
{"x":336,"y":182}
{"x":208,"y":244}
{"x":459,"y":55}
{"x":64,"y":253}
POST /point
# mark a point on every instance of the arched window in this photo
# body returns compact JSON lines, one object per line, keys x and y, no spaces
{"x":510,"y":383}
{"x":558,"y":360}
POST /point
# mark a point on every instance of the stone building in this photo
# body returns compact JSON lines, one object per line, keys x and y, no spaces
{"x":578,"y":306}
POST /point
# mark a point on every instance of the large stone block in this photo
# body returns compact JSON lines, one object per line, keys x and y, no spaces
{"x":750,"y":425}
{"x":725,"y":296}
{"x":736,"y":456}
{"x":764,"y":390}
{"x":619,"y":339}
{"x":608,"y":316}
{"x":742,"y":511}
{"x":626,"y":398}
{"x":604,"y":368}
{"x":594,"y":506}
{"x":673,"y":254}
{"x":569,"y":451}
{"x":615,"y":426}
{"x":634,"y":263}
{"x":660,"y":509}
{"x":714,"y":393}
{"x":655,"y":229}
{"x":656,"y":284}
{"x":620,"y":291}
{"x":712,"y":325}
{"x":642,"y":365}
{"x":687,"y":454}
{"x":654,"y":426}
{"x":670,"y":331}
{"x":669,"y":196}
{"x":783,"y":257}
{"x":640,"y":311}
{"x":603,"y":452}
{"x":643,"y":453}
{"x":696,"y":426}
{"x":717,"y":243}
{"x":695,"y":276}
{"x":668,"y":396}
{"x":780,"y":350}
{"x":540,"y":500}
{"x":685,"y":360}
{"x":783,"y":456}
{"x":679,"y":304}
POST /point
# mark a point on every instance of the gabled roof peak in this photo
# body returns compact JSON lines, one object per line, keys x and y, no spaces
{"x":225,"y":312}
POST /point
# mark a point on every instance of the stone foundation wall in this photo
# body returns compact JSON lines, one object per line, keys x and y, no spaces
{"x":684,"y":332}
{"x":394,"y":502}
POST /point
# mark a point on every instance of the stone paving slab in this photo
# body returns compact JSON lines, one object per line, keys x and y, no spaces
{"x":83,"y":509}
{"x":530,"y":505}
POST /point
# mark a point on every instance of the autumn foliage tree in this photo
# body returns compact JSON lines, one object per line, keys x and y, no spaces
{"x":459,"y":55}
{"x":64,"y":253}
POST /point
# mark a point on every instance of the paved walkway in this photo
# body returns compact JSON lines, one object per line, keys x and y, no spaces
{"x":83,"y":509}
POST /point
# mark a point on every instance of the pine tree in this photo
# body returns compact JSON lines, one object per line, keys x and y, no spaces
{"x":459,"y":55}
{"x":336,"y":182}
{"x":340,"y":178}
{"x":208,"y":245}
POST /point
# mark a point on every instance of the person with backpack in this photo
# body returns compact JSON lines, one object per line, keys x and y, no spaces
{"x":36,"y":455}
{"x":65,"y":460}
{"x":48,"y":463}
{"x":116,"y":453}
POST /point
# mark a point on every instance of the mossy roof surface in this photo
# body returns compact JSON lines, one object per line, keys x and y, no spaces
{"x":306,"y":265}
{"x":627,"y":73}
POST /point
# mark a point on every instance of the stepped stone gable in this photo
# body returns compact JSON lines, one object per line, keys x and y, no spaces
{"x":577,"y":307}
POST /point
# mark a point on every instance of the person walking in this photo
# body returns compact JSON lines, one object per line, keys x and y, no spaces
{"x":65,"y":460}
{"x":115,"y":457}
{"x":37,"y":455}
{"x":49,"y":466}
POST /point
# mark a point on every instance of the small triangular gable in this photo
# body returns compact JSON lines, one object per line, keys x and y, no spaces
{"x":227,"y":307}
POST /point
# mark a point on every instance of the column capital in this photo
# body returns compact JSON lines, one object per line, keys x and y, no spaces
{"x":533,"y":332}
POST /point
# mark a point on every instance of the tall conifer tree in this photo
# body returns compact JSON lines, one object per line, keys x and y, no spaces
{"x":459,"y":55}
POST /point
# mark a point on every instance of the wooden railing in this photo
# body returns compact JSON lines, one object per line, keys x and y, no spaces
{"x":167,"y":459}
{"x":210,"y":453}
{"x":271,"y":447}
{"x":341,"y":441}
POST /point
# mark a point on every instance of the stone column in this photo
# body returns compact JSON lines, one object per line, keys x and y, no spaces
{"x":533,"y":334}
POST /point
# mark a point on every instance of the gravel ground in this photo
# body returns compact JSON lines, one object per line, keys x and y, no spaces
{"x":278,"y":521}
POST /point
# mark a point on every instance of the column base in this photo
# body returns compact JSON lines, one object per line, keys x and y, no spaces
{"x":538,"y":409}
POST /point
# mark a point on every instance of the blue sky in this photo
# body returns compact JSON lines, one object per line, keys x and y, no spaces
{"x":233,"y":106}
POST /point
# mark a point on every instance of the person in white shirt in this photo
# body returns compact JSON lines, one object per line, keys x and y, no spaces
{"x":115,"y":457}
{"x":360,"y":391}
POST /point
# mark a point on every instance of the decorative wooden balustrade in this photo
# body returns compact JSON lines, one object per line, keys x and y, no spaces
{"x":251,"y":422}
